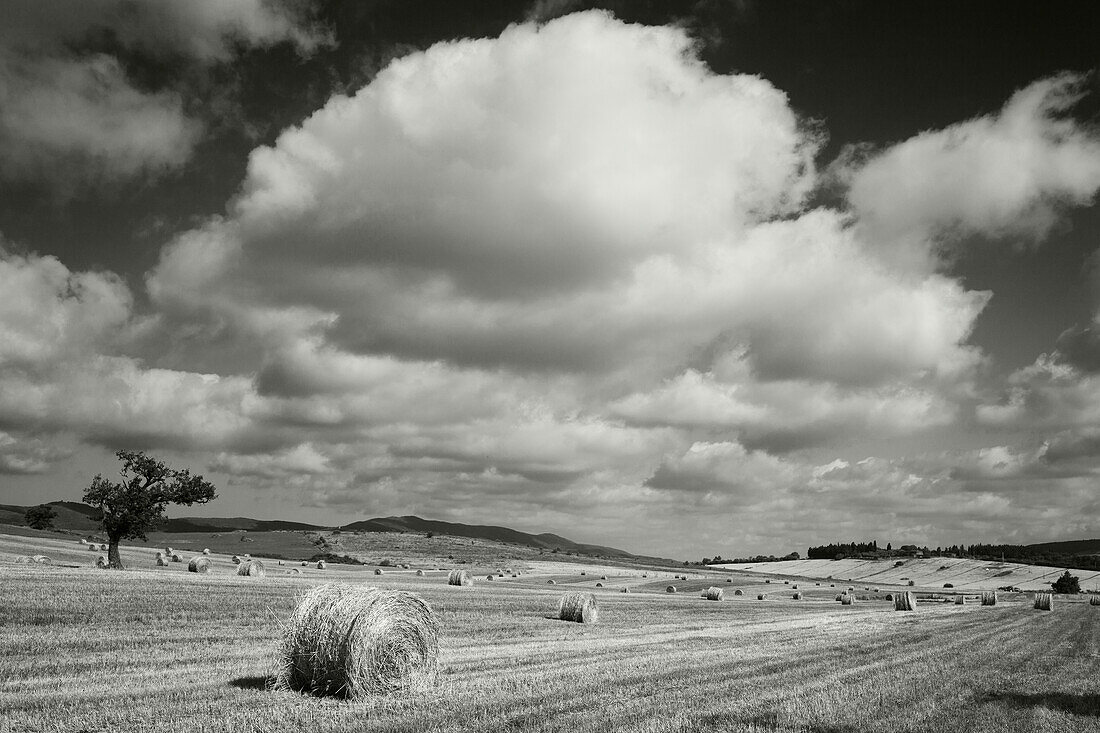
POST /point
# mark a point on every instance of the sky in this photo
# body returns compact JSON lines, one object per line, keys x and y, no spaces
{"x":684,"y":278}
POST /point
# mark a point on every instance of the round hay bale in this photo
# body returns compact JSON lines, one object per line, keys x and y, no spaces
{"x":304,"y":564}
{"x":786,"y":582}
{"x":960,"y":600}
{"x":83,"y":541}
{"x":549,"y":582}
{"x":989,"y":598}
{"x":713,"y":593}
{"x":851,"y":589}
{"x":832,"y":585}
{"x":490,"y":576}
{"x":583,"y":573}
{"x":797,"y":596}
{"x":739,"y":592}
{"x":904,"y":601}
{"x":93,"y":547}
{"x":624,"y":589}
{"x":603,"y":577}
{"x":206,"y":550}
{"x":847,"y":599}
{"x":762,"y":596}
{"x":101,"y":562}
{"x":378,"y":571}
{"x":252,"y":568}
{"x":1044,"y":601}
{"x":294,"y":571}
{"x":162,"y":561}
{"x":839,"y":596}
{"x":41,"y":560}
{"x":103,"y":548}
{"x":729,"y":580}
{"x":579,"y":607}
{"x":320,"y":564}
{"x":353,"y":641}
{"x":282,"y":562}
{"x":461,"y":577}
{"x":889,"y":596}
{"x":1094,"y":600}
{"x":246,"y":556}
{"x":198,"y":564}
{"x":168,"y":551}
{"x":404,"y":566}
{"x":670,"y":589}
{"x":237,"y":560}
{"x":420,"y":574}
{"x":794,"y":587}
{"x":176,"y":557}
{"x":767,"y":581}
{"x":599,"y":585}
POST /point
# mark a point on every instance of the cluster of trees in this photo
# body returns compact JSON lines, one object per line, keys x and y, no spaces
{"x":843,"y":549}
{"x":40,"y":517}
{"x":718,"y":559}
{"x":1035,"y":556}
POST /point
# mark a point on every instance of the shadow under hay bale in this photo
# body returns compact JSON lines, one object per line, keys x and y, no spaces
{"x":989,"y":598}
{"x":459,"y":577}
{"x":294,"y":571}
{"x":670,"y":589}
{"x":252,"y":568}
{"x":352,"y":641}
{"x":579,"y":607}
{"x":1044,"y":601}
{"x":904,"y":601}
{"x":199,"y":564}
{"x":713,"y":593}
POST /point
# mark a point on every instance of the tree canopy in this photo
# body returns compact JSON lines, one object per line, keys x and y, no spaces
{"x":136,"y":504}
{"x":40,"y":517}
{"x":1066,"y":584}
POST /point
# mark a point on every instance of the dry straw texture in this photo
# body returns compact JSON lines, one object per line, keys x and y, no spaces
{"x":1044,"y":601}
{"x":579,"y":607}
{"x":847,"y":599}
{"x":670,"y":589}
{"x":713,"y":593}
{"x":461,"y":577}
{"x":989,"y":598}
{"x":198,"y":564}
{"x":904,"y":601}
{"x":253,"y":568}
{"x":739,"y":592}
{"x":353,"y":641}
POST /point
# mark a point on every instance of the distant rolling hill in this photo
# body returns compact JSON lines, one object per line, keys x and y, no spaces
{"x":74,"y":516}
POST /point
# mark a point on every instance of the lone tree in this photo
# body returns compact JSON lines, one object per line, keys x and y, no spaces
{"x":1066,"y":584}
{"x":136,"y":505}
{"x":40,"y":517}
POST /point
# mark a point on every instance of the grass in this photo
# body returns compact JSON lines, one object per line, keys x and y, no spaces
{"x":156,"y":650}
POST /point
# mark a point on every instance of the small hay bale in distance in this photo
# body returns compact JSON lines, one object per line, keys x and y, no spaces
{"x":960,"y":600}
{"x":354,"y":641}
{"x":490,"y":576}
{"x":82,"y":541}
{"x":93,"y":547}
{"x":729,"y":580}
{"x":176,"y":557}
{"x":989,"y":598}
{"x":321,"y":565}
{"x":839,"y":597}
{"x":420,"y":573}
{"x":294,"y":571}
{"x":739,"y":592}
{"x":168,"y":551}
{"x":670,"y":589}
{"x":624,"y":589}
{"x":889,"y":596}
{"x":103,"y":548}
{"x":198,"y":564}
{"x":282,"y":562}
{"x":1094,"y":600}
{"x":599,"y":585}
{"x":460,"y":577}
{"x":583,"y":573}
{"x":847,"y":599}
{"x":797,"y":596}
{"x":252,"y":568}
{"x":41,"y":560}
{"x":713,"y":593}
{"x":603,"y":577}
{"x":767,"y":581}
{"x":206,"y":550}
{"x":1044,"y":601}
{"x":162,"y":561}
{"x":549,"y":582}
{"x":378,"y":571}
{"x":237,"y":560}
{"x":579,"y":607}
{"x":762,"y":597}
{"x":794,"y":587}
{"x":101,"y":562}
{"x":904,"y":601}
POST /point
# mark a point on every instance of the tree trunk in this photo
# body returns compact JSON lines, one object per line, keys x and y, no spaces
{"x":113,"y":559}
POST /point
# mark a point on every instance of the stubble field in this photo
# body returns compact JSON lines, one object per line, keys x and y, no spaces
{"x":164,"y":650}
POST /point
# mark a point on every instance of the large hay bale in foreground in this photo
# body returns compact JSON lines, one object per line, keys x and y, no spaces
{"x":198,"y":564}
{"x":904,"y":601}
{"x":713,"y":593}
{"x":989,"y":598}
{"x":1044,"y":601}
{"x":579,"y":607}
{"x":847,"y":599}
{"x":252,"y":568}
{"x":670,"y":589}
{"x":459,"y":577}
{"x":353,"y":641}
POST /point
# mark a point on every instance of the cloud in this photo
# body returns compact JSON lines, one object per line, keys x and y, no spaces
{"x":72,"y":116}
{"x":1004,"y":175}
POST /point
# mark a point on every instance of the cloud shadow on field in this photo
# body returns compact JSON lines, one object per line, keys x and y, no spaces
{"x":1074,"y":704}
{"x":254,"y":682}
